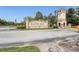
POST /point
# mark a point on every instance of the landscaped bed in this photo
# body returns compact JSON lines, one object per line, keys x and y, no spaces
{"x":20,"y":49}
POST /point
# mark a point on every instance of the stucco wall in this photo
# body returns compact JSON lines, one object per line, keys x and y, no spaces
{"x":37,"y":24}
{"x":61,"y":19}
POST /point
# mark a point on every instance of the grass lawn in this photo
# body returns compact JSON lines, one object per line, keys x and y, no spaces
{"x":20,"y":49}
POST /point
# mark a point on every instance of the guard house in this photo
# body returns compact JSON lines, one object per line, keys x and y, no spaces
{"x":61,"y":18}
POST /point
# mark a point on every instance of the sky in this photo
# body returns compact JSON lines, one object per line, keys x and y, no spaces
{"x":10,"y":13}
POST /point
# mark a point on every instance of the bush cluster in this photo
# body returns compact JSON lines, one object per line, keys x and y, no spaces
{"x":20,"y":27}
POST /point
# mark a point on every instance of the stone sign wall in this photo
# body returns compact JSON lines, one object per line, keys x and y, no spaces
{"x":36,"y":24}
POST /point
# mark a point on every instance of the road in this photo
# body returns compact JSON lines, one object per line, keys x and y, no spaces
{"x":5,"y":28}
{"x":12,"y":38}
{"x":31,"y":35}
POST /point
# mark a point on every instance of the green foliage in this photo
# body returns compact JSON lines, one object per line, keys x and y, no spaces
{"x":21,"y":49}
{"x":4,"y":22}
{"x":30,"y":18}
{"x":39,"y":15}
{"x":45,"y":18}
{"x":71,"y":16}
{"x":71,"y":11}
{"x":75,"y":21}
{"x":55,"y":26}
{"x":51,"y":19}
{"x":77,"y":11}
{"x":20,"y":27}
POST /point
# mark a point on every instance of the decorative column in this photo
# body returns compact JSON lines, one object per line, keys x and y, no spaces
{"x":27,"y":23}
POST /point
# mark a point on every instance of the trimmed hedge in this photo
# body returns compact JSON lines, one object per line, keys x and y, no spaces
{"x":55,"y":26}
{"x":20,"y":27}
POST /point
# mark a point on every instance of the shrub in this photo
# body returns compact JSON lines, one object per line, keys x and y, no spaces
{"x":20,"y":27}
{"x":55,"y":26}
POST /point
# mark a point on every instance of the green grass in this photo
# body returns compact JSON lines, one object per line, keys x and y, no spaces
{"x":20,"y":49}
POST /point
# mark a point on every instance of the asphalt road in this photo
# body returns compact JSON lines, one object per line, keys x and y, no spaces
{"x":31,"y":35}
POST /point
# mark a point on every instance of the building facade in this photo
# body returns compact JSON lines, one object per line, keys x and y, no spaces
{"x":61,"y":18}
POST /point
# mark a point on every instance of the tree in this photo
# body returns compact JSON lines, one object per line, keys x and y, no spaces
{"x":44,"y":17}
{"x":39,"y":15}
{"x":70,"y":15}
{"x":77,"y":11}
{"x":51,"y":20}
{"x":4,"y":22}
{"x":30,"y":18}
{"x":73,"y":16}
{"x":75,"y":21}
{"x":71,"y":11}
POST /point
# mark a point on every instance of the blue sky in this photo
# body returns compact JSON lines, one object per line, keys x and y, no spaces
{"x":10,"y":13}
